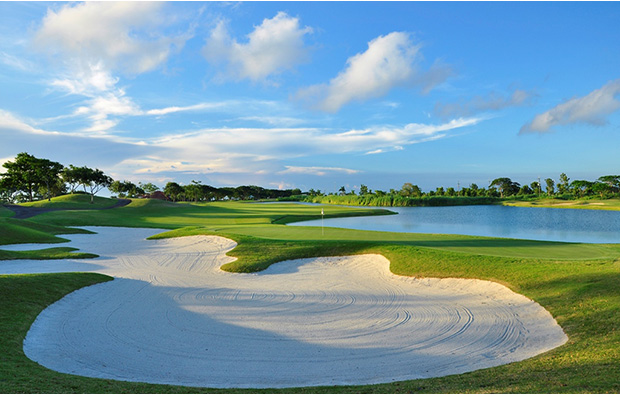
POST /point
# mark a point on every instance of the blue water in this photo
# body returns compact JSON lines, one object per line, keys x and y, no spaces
{"x":550,"y":224}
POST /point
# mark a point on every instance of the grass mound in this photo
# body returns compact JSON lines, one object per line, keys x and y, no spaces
{"x":73,"y":201}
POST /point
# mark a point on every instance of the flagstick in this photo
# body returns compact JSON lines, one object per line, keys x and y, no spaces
{"x":322,"y":228}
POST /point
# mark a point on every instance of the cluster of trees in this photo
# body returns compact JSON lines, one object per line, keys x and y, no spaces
{"x":198,"y":192}
{"x":604,"y":186}
{"x":29,"y":178}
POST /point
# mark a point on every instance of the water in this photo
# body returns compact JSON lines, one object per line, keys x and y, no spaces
{"x":550,"y":224}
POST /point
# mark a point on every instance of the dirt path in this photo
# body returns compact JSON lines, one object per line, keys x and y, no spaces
{"x":23,"y":212}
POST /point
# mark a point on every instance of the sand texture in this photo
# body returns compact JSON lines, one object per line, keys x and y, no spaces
{"x":172,"y":316}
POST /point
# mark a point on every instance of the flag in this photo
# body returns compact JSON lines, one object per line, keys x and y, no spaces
{"x":322,"y":212}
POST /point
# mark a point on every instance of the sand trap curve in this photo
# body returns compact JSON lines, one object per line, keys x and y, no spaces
{"x":172,"y":316}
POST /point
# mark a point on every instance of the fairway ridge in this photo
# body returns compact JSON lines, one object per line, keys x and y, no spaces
{"x":173,"y":317}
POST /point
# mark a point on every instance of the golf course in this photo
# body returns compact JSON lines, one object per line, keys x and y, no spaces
{"x":238,"y":250}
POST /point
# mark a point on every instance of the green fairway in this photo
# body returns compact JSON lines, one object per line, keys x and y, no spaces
{"x":576,"y":282}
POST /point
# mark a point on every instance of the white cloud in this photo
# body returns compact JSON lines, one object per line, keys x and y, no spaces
{"x":389,"y":62}
{"x":87,"y":81}
{"x":592,"y":109}
{"x":491,"y":102}
{"x":316,"y":170}
{"x":9,"y":122}
{"x":194,"y":107}
{"x":251,"y":149}
{"x":273,"y":47}
{"x":119,"y":34}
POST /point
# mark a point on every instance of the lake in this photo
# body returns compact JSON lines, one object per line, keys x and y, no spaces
{"x":550,"y":224}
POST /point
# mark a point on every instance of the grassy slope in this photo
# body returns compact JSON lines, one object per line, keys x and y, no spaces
{"x":581,"y":293}
{"x":74,"y":201}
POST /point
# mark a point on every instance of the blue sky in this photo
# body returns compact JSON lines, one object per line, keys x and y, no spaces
{"x":314,"y":94}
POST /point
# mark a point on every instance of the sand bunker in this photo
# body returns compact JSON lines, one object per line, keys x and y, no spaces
{"x":173,"y":317}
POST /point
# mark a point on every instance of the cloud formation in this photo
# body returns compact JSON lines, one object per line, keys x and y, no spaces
{"x":491,"y":102}
{"x":389,"y":61}
{"x":120,"y":34}
{"x":273,"y":47}
{"x":591,"y":109}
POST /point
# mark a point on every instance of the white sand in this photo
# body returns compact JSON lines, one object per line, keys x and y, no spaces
{"x":173,"y":317}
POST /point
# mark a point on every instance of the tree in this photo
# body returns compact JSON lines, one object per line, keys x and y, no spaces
{"x":602,"y":189}
{"x":582,"y":187}
{"x":193,"y":191}
{"x":95,"y":180}
{"x":125,"y":188}
{"x":29,"y":173}
{"x":410,"y":190}
{"x":174,"y":191}
{"x":342,"y":191}
{"x":612,"y":181}
{"x":525,"y":190}
{"x":72,"y":175}
{"x":563,"y":185}
{"x":364,"y":190}
{"x":149,"y":187}
{"x":505,"y":186}
{"x":550,"y":184}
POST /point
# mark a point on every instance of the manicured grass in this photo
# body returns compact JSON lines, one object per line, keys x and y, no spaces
{"x":14,"y":231}
{"x":73,"y":201}
{"x":577,"y":283}
{"x":47,"y":253}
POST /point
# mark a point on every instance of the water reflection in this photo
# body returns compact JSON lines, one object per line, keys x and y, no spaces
{"x":550,"y":224}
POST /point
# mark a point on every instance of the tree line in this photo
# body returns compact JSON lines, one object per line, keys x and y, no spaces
{"x":500,"y":188}
{"x":29,"y":178}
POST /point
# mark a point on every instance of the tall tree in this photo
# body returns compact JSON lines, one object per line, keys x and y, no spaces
{"x":612,"y":181}
{"x":550,"y":186}
{"x":564,"y":185}
{"x":410,"y":190}
{"x":29,"y":173}
{"x":73,"y":175}
{"x":95,"y":180}
{"x":174,"y":191}
{"x":505,"y":186}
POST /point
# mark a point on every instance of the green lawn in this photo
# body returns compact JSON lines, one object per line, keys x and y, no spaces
{"x":587,"y":204}
{"x":73,"y":201}
{"x":577,"y":283}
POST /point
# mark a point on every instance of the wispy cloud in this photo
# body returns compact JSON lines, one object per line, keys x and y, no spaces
{"x":593,"y":109}
{"x":389,"y":62}
{"x":10,"y":122}
{"x":16,"y":62}
{"x":490,"y":102}
{"x":18,"y":135}
{"x":316,"y":170}
{"x":193,"y":107}
{"x":273,"y":47}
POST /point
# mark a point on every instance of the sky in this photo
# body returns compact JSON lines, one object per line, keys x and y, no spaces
{"x":314,"y":94}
